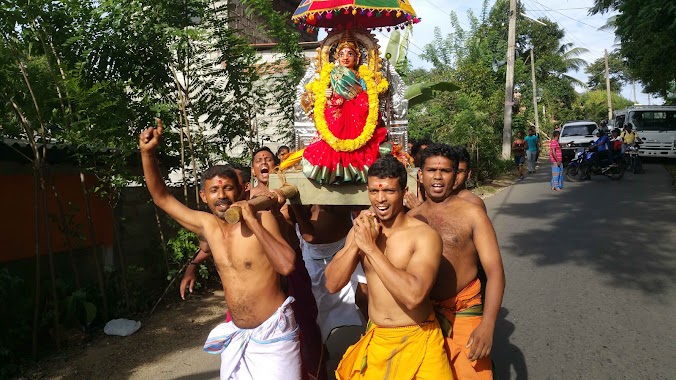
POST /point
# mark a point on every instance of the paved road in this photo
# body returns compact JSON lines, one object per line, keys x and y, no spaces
{"x":591,"y":275}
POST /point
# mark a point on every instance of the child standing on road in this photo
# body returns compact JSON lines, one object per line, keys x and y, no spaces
{"x":555,"y":156}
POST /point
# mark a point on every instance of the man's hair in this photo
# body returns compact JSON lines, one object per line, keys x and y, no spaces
{"x":225,"y":171}
{"x":463,"y":156}
{"x":415,"y":149}
{"x":389,"y":167}
{"x":245,"y":170}
{"x":444,"y":150}
{"x":519,"y":132}
{"x":555,"y":134}
{"x":265,"y":149}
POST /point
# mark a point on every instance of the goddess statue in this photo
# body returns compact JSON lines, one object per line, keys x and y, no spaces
{"x":343,"y":101}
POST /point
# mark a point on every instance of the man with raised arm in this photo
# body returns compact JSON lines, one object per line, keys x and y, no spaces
{"x":400,"y":256}
{"x":261,"y":341}
{"x":468,"y":241}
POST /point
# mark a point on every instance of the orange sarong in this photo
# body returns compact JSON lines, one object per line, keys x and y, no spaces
{"x":464,"y":313}
{"x":397,"y":353}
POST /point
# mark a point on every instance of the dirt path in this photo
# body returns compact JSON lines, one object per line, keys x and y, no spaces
{"x":168,"y":346}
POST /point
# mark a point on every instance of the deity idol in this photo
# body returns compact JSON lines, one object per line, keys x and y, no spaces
{"x":347,"y":118}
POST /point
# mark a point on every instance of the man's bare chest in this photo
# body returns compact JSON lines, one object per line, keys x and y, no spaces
{"x":454,"y":229}
{"x":234,"y":251}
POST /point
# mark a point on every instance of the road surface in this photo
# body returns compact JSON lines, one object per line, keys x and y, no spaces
{"x":591,"y":275}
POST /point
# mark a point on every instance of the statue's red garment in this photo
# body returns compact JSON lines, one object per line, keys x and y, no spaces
{"x":346,"y":120}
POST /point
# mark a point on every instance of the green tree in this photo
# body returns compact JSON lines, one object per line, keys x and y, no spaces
{"x":646,"y":30}
{"x":597,"y":73}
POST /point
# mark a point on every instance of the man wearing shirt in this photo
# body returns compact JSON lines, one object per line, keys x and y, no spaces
{"x":532,"y":151}
{"x":601,"y":145}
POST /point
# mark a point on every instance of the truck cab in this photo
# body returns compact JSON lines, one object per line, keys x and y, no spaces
{"x":655,"y":126}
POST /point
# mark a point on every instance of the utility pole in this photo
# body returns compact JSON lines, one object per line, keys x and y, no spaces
{"x":610,"y":103}
{"x":509,"y":84}
{"x":535,"y":99}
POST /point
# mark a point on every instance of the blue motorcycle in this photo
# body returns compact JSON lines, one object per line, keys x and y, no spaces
{"x":583,"y":165}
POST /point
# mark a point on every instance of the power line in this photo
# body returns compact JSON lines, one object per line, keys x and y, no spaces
{"x":564,"y":9}
{"x":446,"y":13}
{"x":574,"y":19}
{"x":568,"y":35}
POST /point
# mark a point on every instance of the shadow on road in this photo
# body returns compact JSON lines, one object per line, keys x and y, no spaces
{"x":624,"y":230}
{"x":506,"y":355}
{"x":209,"y":375}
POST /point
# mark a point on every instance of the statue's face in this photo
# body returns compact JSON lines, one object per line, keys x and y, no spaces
{"x":347,"y":57}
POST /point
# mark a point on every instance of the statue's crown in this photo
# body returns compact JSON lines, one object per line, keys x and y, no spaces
{"x":348,"y":41}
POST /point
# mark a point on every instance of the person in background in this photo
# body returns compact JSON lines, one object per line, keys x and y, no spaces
{"x":615,"y":145}
{"x":533,"y":149}
{"x":601,"y":145}
{"x":556,"y":157}
{"x":282,"y":152}
{"x":519,"y":150}
{"x":464,"y":172}
{"x":629,"y":137}
{"x":417,"y":149}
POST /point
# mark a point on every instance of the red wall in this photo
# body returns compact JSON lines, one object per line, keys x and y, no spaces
{"x":17,"y":232}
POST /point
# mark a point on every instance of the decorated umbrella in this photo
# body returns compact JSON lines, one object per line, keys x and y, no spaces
{"x":313,"y":14}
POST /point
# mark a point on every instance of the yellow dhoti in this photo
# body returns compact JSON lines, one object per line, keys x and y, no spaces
{"x":397,"y":353}
{"x":464,"y":313}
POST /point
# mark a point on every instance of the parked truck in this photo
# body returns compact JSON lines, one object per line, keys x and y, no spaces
{"x":655,"y":125}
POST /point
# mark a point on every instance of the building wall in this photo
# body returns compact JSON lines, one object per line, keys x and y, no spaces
{"x":18,"y":237}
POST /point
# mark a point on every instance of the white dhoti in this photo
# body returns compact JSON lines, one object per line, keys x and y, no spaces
{"x":269,"y":351}
{"x":335,"y":310}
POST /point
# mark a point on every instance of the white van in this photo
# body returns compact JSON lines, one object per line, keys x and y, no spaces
{"x":576,"y":135}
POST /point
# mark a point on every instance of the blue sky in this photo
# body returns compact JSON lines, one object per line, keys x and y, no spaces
{"x":571,"y":15}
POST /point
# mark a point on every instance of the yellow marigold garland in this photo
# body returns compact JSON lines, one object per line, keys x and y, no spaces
{"x":318,"y":87}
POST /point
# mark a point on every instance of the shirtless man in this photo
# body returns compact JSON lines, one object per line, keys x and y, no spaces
{"x":323,"y":230}
{"x":400,"y":256}
{"x":298,"y":282}
{"x":263,"y":163}
{"x":262,"y":340}
{"x":468,"y":240}
{"x":465,"y":172}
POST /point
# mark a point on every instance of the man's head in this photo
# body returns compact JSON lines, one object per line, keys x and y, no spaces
{"x":531,"y":131}
{"x":464,"y":169}
{"x":598,"y":132}
{"x":220,"y":188}
{"x":263,"y":163}
{"x":282,"y":152}
{"x":244,"y":175}
{"x":519,"y":134}
{"x":555,"y":135}
{"x":417,"y":149}
{"x":629,"y":126}
{"x":386,"y":187}
{"x":438,"y":168}
{"x":616,"y":132}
